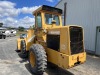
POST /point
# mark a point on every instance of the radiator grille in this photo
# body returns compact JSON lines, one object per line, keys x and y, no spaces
{"x":76,"y":40}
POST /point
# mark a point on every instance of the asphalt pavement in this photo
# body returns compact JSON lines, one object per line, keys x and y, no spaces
{"x":10,"y":62}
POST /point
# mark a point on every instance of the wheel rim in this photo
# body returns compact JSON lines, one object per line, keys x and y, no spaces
{"x":32,"y":59}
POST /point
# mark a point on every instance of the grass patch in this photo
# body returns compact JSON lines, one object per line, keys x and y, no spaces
{"x":21,"y":32}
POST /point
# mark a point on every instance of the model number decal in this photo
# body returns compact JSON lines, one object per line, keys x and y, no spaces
{"x":54,"y":32}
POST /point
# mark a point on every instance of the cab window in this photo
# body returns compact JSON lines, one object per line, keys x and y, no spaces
{"x":50,"y":17}
{"x":39,"y":20}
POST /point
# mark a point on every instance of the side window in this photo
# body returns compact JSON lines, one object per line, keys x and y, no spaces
{"x":39,"y":20}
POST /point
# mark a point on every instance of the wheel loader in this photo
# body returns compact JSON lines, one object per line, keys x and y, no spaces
{"x":52,"y":42}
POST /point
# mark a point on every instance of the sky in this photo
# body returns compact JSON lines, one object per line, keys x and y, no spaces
{"x":15,"y":13}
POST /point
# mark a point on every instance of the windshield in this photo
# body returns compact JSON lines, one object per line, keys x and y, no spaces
{"x":50,"y":17}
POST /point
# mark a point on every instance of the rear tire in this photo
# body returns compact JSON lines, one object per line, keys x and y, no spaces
{"x":38,"y":61}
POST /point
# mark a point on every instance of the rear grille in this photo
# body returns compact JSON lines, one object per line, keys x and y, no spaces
{"x":76,"y":37}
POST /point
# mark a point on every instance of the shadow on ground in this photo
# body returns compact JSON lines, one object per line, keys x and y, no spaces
{"x":23,"y":56}
{"x":17,"y":50}
{"x":52,"y":70}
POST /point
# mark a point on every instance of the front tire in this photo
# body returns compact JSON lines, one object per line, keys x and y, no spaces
{"x":23,"y":53}
{"x":37,"y":59}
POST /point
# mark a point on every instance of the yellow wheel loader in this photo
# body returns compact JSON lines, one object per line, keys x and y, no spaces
{"x":52,"y":42}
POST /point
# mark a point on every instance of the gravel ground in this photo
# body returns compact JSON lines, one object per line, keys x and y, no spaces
{"x":12,"y":64}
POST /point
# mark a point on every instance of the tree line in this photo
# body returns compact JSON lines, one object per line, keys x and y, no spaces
{"x":20,"y":28}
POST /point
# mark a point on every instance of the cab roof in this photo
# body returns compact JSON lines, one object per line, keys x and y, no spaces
{"x":49,"y":9}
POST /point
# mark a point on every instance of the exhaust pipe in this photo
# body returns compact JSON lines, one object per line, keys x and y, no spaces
{"x":65,"y":13}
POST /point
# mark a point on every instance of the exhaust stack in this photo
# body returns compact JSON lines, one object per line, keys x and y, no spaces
{"x":65,"y":12}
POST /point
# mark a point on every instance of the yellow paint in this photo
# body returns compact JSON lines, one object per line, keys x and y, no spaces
{"x":63,"y":60}
{"x":68,"y":61}
{"x":18,"y":44}
{"x":63,"y":57}
{"x":52,"y":55}
{"x":32,"y":59}
{"x":65,"y":41}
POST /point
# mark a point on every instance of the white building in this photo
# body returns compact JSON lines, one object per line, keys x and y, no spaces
{"x":87,"y":14}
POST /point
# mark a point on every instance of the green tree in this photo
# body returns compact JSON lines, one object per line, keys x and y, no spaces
{"x":20,"y":28}
{"x":1,"y":24}
{"x":33,"y":26}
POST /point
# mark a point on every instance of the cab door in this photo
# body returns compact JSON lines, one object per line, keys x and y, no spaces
{"x":39,"y":28}
{"x":38,"y":24}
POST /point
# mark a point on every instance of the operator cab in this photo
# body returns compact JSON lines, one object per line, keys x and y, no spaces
{"x":47,"y":17}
